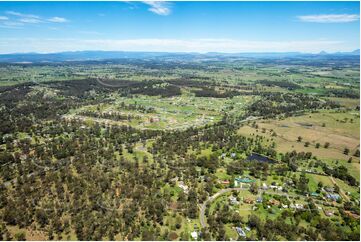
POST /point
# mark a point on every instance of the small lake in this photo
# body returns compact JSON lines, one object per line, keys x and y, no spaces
{"x":259,"y":158}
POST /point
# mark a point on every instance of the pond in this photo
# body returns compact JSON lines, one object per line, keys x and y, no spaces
{"x":259,"y":158}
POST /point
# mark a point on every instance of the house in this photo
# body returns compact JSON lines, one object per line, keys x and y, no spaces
{"x":329,"y":189}
{"x":184,"y":187}
{"x":279,"y":188}
{"x":175,"y":179}
{"x":273,"y":202}
{"x":194,"y":235}
{"x":315,"y":194}
{"x":284,"y":205}
{"x":333,"y":196}
{"x":225,"y":182}
{"x":264,"y":186}
{"x":273,"y":186}
{"x":296,"y":206}
{"x":328,"y":212}
{"x":153,"y":119}
{"x":233,"y":200}
{"x":351,"y":214}
{"x":248,"y":200}
{"x":259,"y":200}
{"x":240,"y":232}
{"x":233,"y":155}
{"x":299,"y":206}
{"x":239,"y":180}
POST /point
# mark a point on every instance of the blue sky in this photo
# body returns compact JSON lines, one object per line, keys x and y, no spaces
{"x":179,"y":26}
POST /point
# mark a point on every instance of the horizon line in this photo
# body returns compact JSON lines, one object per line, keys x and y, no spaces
{"x":185,"y":52}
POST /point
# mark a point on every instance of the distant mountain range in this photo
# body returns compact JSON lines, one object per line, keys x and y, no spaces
{"x":355,"y":52}
{"x":105,"y":55}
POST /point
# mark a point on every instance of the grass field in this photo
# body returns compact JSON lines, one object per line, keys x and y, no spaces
{"x":315,"y":179}
{"x":321,"y":127}
{"x":347,"y":102}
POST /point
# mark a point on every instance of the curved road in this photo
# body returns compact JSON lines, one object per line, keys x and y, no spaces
{"x":221,"y":192}
{"x":210,"y":199}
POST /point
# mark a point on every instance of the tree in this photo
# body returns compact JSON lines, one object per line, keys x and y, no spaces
{"x":318,"y":145}
{"x":346,"y":151}
{"x":320,"y":185}
{"x":326,"y":145}
{"x":145,"y":159}
{"x":303,"y":183}
{"x":357,"y":153}
{"x":253,"y":188}
{"x":184,"y":236}
{"x":206,"y":235}
{"x":20,"y":236}
{"x":299,"y":139}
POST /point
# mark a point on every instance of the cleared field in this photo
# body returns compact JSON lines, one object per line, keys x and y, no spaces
{"x":354,"y":191}
{"x":315,"y":179}
{"x":167,"y":113}
{"x":347,"y":102}
{"x":340,"y":130}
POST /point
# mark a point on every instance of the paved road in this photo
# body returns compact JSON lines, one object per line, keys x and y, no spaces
{"x":210,"y":199}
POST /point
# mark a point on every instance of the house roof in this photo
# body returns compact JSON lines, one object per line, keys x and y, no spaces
{"x":240,"y":232}
{"x":244,"y":180}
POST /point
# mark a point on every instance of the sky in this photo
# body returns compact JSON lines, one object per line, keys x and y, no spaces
{"x":179,"y":26}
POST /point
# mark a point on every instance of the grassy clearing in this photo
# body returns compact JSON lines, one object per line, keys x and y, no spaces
{"x":321,"y":127}
{"x":29,"y":234}
{"x":347,"y":102}
{"x":354,"y":191}
{"x":315,"y":179}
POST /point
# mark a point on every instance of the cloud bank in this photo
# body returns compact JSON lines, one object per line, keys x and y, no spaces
{"x":170,"y":45}
{"x":329,"y":18}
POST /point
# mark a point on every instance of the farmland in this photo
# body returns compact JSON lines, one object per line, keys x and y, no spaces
{"x":339,"y":129}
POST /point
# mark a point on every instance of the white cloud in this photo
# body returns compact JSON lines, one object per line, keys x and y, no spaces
{"x":30,"y":20}
{"x":172,"y":45}
{"x":58,"y":20}
{"x":330,"y":18}
{"x":159,"y":7}
{"x":21,"y":14}
{"x":22,"y":18}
